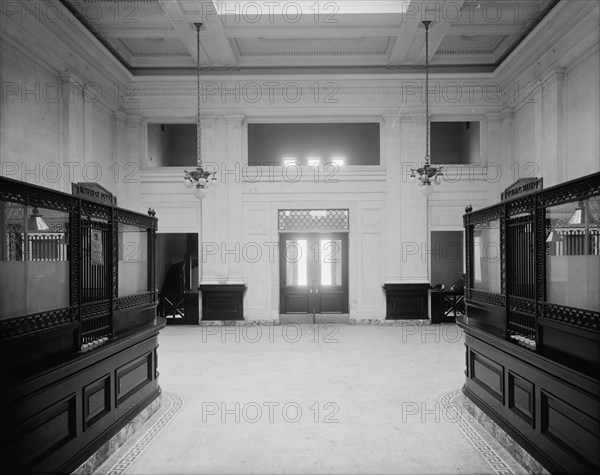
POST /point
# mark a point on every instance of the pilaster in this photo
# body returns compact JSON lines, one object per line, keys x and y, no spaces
{"x":72,"y":144}
{"x":553,"y":124}
{"x":414,"y":239}
{"x":507,"y":146}
{"x":130,"y":188}
{"x":119,"y":153}
{"x":234,"y":213}
{"x":211,"y":208}
{"x":492,"y":157}
{"x":394,"y":181}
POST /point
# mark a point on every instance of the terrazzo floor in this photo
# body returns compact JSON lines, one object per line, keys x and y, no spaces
{"x":303,"y":399}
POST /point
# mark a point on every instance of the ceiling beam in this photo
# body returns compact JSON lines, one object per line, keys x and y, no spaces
{"x":406,"y":30}
{"x":214,"y":45}
{"x":220,"y":41}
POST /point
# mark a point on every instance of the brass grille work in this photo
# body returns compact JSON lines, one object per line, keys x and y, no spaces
{"x":314,"y":220}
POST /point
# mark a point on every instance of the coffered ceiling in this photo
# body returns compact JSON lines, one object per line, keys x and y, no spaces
{"x":159,"y":36}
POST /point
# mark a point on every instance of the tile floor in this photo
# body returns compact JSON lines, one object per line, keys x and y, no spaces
{"x":303,"y":399}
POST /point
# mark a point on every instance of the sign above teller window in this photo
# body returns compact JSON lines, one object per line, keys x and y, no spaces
{"x":94,"y":192}
{"x":521,"y":187}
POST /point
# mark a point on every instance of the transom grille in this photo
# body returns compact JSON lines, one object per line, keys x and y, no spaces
{"x":313,"y":219}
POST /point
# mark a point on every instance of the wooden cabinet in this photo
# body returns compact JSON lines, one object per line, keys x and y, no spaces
{"x":406,"y":301}
{"x":532,"y":325}
{"x":222,"y":302}
{"x":78,"y":326}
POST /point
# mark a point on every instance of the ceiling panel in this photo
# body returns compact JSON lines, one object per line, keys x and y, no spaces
{"x":159,"y":35}
{"x":350,"y":45}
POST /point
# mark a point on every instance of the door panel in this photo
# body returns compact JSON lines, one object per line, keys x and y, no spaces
{"x":314,"y":273}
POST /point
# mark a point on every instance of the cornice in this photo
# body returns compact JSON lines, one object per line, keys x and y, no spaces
{"x":119,"y":116}
{"x":408,"y":89}
{"x":133,"y":120}
{"x":76,"y":38}
{"x":73,"y":53}
{"x":548,"y":31}
{"x":162,"y":55}
{"x":462,"y":52}
{"x":531,"y":61}
{"x":234,"y":117}
{"x":553,"y":75}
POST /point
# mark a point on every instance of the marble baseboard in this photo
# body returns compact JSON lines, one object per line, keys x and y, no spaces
{"x":103,"y":453}
{"x":236,"y":323}
{"x":357,"y":321}
{"x":505,"y":440}
{"x":388,"y":323}
{"x":127,"y":456}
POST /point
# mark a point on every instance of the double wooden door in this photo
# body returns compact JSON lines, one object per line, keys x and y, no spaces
{"x":314,"y":273}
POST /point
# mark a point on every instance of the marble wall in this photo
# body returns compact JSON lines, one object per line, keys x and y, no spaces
{"x":538,"y":113}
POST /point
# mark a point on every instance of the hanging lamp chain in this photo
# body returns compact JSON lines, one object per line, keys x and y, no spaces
{"x":198,"y":131}
{"x":426,"y":23}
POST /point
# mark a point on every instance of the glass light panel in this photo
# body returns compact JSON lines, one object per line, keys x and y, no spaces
{"x":486,"y":256}
{"x":34,"y":264}
{"x":573,"y":254}
{"x":331,"y":261}
{"x":296,"y":262}
{"x":133,"y":260}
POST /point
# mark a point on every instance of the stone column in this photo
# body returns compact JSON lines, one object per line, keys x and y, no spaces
{"x":553,"y":127}
{"x":529,"y":169}
{"x":235,"y":217}
{"x":221,"y":281}
{"x":72,"y":144}
{"x":211,"y":217}
{"x":414,"y":235}
{"x":119,"y":153}
{"x":131,"y":187}
{"x":492,"y":156}
{"x":507,"y":148}
{"x":395,"y":179}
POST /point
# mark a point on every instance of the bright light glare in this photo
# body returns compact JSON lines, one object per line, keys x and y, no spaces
{"x":314,"y":161}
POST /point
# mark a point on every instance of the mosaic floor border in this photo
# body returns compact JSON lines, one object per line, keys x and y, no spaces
{"x":500,"y":461}
{"x":118,"y":467}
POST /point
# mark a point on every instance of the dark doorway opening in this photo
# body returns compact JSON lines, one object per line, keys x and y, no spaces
{"x":177,"y":276}
{"x":446,"y":258}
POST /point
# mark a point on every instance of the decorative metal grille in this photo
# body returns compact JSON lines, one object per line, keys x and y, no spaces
{"x":557,"y":223}
{"x":570,"y":191}
{"x":314,"y":219}
{"x":482,"y":216}
{"x":521,"y":317}
{"x":38,"y":224}
{"x":95,"y":277}
{"x":520,"y":279}
{"x":485,"y":297}
{"x":575,"y":317}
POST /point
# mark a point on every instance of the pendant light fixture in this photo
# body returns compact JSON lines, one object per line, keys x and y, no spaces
{"x":199,"y":179}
